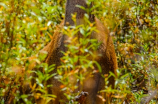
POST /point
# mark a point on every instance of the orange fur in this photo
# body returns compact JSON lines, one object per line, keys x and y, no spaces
{"x":107,"y":61}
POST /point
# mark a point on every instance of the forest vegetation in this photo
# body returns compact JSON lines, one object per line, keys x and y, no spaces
{"x":27,"y":27}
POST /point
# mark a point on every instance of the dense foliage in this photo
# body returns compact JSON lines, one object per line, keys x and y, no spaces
{"x":27,"y":26}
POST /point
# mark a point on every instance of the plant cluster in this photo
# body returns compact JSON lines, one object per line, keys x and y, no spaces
{"x":27,"y":26}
